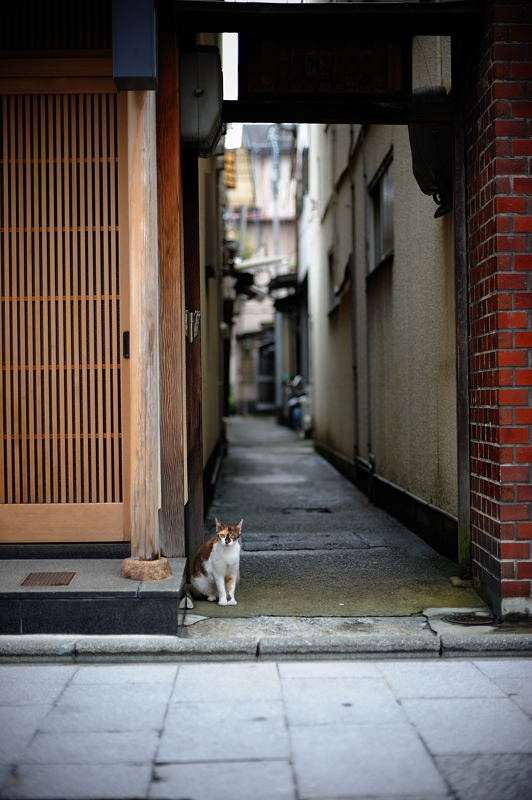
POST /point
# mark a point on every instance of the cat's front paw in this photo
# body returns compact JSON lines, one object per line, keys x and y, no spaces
{"x":232,"y":602}
{"x":222,"y":601}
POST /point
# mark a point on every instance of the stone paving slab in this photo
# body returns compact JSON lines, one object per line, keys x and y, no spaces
{"x":346,"y":701}
{"x":300,"y":730}
{"x":456,"y":726}
{"x":369,"y":758}
{"x":95,"y":576}
{"x":492,"y":777}
{"x":101,"y":747}
{"x":79,"y":782}
{"x":245,"y":731}
{"x":96,"y":600}
{"x":262,"y":780}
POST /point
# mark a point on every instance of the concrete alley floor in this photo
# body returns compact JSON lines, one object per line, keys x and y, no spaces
{"x":313,"y":546}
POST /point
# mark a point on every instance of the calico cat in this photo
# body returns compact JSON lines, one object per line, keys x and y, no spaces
{"x":215,"y":569}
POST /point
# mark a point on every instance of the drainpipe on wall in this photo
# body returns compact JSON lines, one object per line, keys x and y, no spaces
{"x":275,"y":144}
{"x":367,"y":251}
{"x":462,"y":316}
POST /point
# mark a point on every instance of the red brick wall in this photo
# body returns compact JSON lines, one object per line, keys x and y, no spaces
{"x":498,"y":162}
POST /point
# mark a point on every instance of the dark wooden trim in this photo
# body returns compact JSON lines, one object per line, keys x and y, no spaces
{"x":351,"y":110}
{"x":194,"y":513}
{"x":66,"y":550}
{"x":436,"y":527}
{"x":171,"y":515}
{"x":444,"y":18}
{"x":462,"y":314}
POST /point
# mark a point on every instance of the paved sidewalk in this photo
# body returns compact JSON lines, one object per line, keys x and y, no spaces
{"x":423,"y":730}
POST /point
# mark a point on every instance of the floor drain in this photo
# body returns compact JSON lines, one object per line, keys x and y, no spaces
{"x":468,"y":619}
{"x":48,"y":579}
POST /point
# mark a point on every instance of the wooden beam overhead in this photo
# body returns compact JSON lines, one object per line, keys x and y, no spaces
{"x":445,"y":18}
{"x":373,"y":112}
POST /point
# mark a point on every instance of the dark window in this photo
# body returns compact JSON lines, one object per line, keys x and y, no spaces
{"x":381,"y":197}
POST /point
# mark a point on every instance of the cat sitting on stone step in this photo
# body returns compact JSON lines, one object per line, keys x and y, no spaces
{"x":215,"y":571}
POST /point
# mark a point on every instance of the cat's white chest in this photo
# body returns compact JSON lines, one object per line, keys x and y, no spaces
{"x":223,"y":556}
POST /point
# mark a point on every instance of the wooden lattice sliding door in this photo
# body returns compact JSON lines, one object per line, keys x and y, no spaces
{"x":61,"y":440}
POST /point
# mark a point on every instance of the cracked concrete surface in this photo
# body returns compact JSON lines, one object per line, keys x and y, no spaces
{"x":313,"y":546}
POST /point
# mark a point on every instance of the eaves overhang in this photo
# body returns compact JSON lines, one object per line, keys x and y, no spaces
{"x":415,"y":18}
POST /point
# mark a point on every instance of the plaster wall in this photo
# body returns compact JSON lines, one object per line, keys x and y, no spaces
{"x":411,"y":347}
{"x":401,"y":411}
{"x":330,"y":328}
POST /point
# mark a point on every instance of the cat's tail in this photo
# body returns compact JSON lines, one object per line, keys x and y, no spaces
{"x":191,"y":590}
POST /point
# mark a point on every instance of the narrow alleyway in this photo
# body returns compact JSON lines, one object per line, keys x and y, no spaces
{"x":313,"y":546}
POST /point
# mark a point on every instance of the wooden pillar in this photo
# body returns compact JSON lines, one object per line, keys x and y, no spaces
{"x":172,"y":354}
{"x":144,"y":326}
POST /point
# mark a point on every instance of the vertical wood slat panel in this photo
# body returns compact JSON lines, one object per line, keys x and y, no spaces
{"x":14,"y":309}
{"x":106,"y":321}
{"x":115,"y":342}
{"x":52,"y":308}
{"x":6,"y":308}
{"x":76,"y":379}
{"x":60,"y":319}
{"x":30,"y":306}
{"x":91,"y":354}
{"x":84,"y":372}
{"x":99,"y":441}
{"x":61,"y":366}
{"x":68,"y":293}
{"x":21,"y":291}
{"x":43,"y":223}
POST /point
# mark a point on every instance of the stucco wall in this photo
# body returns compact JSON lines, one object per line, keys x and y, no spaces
{"x":405,"y":336}
{"x":330,"y":330}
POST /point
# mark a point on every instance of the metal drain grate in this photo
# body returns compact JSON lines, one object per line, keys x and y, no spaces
{"x":468,"y":619}
{"x":48,"y":579}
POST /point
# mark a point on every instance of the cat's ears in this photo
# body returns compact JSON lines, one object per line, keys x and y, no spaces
{"x":220,"y":525}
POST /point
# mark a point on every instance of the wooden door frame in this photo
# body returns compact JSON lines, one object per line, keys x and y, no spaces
{"x":62,"y":521}
{"x":171,"y":276}
{"x":194,"y":508}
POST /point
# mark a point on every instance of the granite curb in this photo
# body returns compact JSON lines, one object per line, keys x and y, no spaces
{"x":500,"y":644}
{"x":80,"y":649}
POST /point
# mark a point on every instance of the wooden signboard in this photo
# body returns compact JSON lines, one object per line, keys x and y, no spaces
{"x":311,"y":68}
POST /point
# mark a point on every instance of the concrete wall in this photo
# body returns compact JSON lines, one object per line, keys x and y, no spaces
{"x":411,"y":429}
{"x":330,"y":330}
{"x":401,"y":412}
